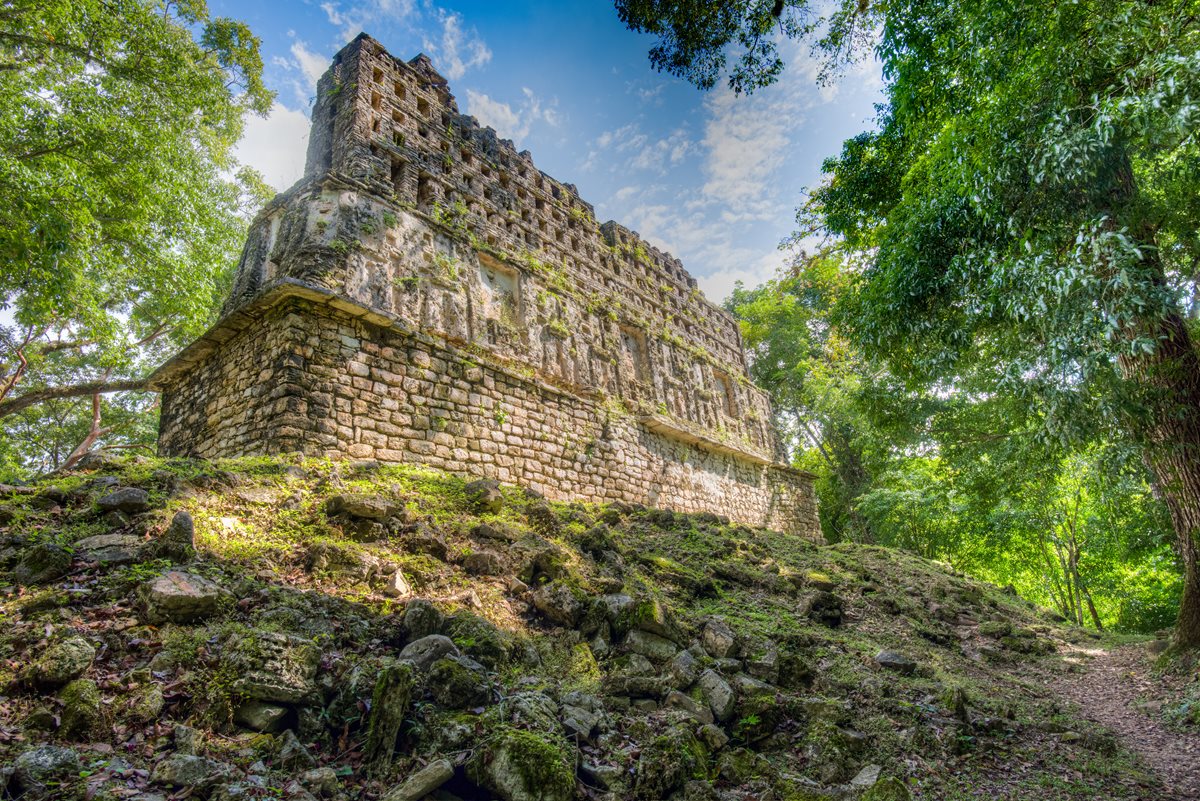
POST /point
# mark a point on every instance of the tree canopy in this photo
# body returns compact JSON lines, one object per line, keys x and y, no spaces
{"x":122,"y":206}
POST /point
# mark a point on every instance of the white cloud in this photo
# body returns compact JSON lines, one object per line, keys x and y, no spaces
{"x":275,"y":145}
{"x":460,"y":49}
{"x":313,"y":65}
{"x":658,"y":155}
{"x":511,"y":123}
{"x":625,"y":193}
{"x":641,"y":151}
{"x":359,"y":17}
{"x":717,"y":286}
{"x":453,"y":46}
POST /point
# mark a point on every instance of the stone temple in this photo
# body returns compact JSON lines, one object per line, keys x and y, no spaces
{"x":425,"y":294}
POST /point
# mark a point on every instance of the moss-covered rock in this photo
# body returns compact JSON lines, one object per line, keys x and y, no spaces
{"x":740,"y":765}
{"x":456,"y":684}
{"x":82,"y":711}
{"x":41,"y":563}
{"x":390,"y":702}
{"x":889,"y":789}
{"x":62,"y":662}
{"x":479,"y":639}
{"x":652,"y":615}
{"x":667,"y":762}
{"x":523,"y":766}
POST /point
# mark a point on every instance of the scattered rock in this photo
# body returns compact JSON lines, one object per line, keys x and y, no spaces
{"x":292,"y":754}
{"x":825,"y":608}
{"x":713,"y":736}
{"x":678,"y":700}
{"x":421,"y":618}
{"x":179,"y":597}
{"x":110,"y":549}
{"x":820,"y":581}
{"x":457,"y":682}
{"x":129,"y":500}
{"x":62,"y":662}
{"x":82,"y":711}
{"x":889,"y":789}
{"x":718,"y":639}
{"x":523,"y":766}
{"x":390,"y":702}
{"x":484,"y":496}
{"x":493,"y":531}
{"x":581,"y":715}
{"x":423,"y":782}
{"x":483,"y":563}
{"x":717,"y":694}
{"x":609,"y":777}
{"x":34,"y":769}
{"x":362,"y":507}
{"x":558,"y":603}
{"x":178,"y":542}
{"x":261,"y":716}
{"x":684,"y":669}
{"x":396,"y":586}
{"x":893,"y":660}
{"x":479,"y":639}
{"x":653,"y":616}
{"x":41,"y":719}
{"x":319,"y":781}
{"x":667,"y":762}
{"x":187,"y":739}
{"x":189,"y":770}
{"x":273,"y":667}
{"x":427,"y":650}
{"x":427,"y":542}
{"x":42,"y":563}
{"x":867,"y":777}
{"x":651,"y":646}
{"x":148,"y":703}
{"x":49,"y":498}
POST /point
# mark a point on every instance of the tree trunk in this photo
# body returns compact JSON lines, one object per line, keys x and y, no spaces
{"x":1170,"y":438}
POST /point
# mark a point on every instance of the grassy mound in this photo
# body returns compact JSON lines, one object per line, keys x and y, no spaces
{"x":353,"y":630}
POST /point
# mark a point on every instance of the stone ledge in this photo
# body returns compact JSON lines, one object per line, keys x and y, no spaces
{"x":681,"y":432}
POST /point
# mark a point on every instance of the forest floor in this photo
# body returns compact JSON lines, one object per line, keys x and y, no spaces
{"x":1119,"y":689}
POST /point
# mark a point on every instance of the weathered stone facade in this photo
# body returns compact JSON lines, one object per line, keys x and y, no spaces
{"x":426,"y":294}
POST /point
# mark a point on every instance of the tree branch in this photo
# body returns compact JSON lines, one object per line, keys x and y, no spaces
{"x":35,"y":397}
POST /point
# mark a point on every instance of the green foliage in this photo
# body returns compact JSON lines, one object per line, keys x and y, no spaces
{"x":695,"y":38}
{"x":120,"y":224}
{"x":1019,"y":270}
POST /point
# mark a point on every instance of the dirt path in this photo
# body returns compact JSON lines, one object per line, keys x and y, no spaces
{"x":1106,"y":692}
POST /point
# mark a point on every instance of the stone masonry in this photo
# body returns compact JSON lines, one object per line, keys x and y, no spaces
{"x":425,"y":294}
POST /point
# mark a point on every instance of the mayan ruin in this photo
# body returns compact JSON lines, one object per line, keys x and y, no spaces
{"x":425,"y":294}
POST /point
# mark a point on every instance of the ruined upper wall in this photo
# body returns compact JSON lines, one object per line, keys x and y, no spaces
{"x":395,"y":127}
{"x":412,"y":210}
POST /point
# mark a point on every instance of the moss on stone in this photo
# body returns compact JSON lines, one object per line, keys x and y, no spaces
{"x":668,"y":762}
{"x":389,"y":704}
{"x":889,"y":789}
{"x":82,"y":709}
{"x":479,"y":639}
{"x":522,"y":766}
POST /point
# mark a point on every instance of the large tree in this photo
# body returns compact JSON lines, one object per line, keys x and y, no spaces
{"x":1030,"y":209}
{"x":120,"y":210}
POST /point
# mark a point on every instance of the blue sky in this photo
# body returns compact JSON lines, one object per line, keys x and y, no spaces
{"x":711,"y":177}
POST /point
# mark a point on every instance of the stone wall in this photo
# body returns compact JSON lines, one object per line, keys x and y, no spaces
{"x":306,"y":372}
